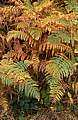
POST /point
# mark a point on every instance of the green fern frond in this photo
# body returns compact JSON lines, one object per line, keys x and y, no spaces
{"x":16,"y":74}
{"x":56,"y":70}
{"x":35,"y":33}
{"x":68,"y":20}
{"x":71,"y":5}
{"x":59,"y":37}
{"x":52,"y":18}
{"x":27,"y":4}
{"x":55,"y":89}
{"x":60,"y":67}
{"x":63,"y":21}
{"x":15,"y":71}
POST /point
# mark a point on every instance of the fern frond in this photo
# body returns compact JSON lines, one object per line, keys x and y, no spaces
{"x":20,"y":35}
{"x":72,"y":5}
{"x":4,"y":103}
{"x":16,"y":74}
{"x":16,"y":55}
{"x":54,"y":16}
{"x":55,"y":89}
{"x":61,"y":48}
{"x":64,"y":22}
{"x":60,"y":67}
{"x":3,"y":44}
{"x":27,"y":4}
{"x":21,"y":25}
{"x":59,"y":37}
{"x":75,"y":87}
{"x":18,"y":2}
{"x":28,"y":9}
{"x":70,"y":97}
{"x":35,"y":33}
{"x":60,"y":5}
{"x":17,"y":34}
{"x":68,"y":19}
{"x":56,"y":70}
{"x":35,"y":60}
{"x":49,"y":22}
{"x":42,"y":5}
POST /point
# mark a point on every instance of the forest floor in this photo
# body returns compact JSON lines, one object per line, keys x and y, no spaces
{"x":47,"y":114}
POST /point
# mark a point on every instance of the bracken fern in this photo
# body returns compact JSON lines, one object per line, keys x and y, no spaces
{"x":37,"y":44}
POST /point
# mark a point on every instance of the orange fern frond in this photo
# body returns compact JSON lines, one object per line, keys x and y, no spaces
{"x":55,"y":48}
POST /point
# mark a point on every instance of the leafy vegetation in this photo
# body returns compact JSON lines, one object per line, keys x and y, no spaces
{"x":38,"y":57}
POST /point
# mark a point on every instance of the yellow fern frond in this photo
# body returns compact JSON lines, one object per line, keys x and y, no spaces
{"x":21,"y":25}
{"x":20,"y":35}
{"x":75,"y":87}
{"x":17,"y":34}
{"x":42,"y":5}
{"x":4,"y":104}
{"x":70,"y":97}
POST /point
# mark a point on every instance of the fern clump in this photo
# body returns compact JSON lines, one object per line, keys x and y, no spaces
{"x":37,"y":52}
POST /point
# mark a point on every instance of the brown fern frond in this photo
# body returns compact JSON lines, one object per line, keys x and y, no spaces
{"x":35,"y":60}
{"x":60,"y":5}
{"x":50,"y":22}
{"x":20,"y":55}
{"x":18,"y":50}
{"x":3,"y":45}
{"x":51,"y":27}
{"x":50,"y":19}
{"x":8,"y":15}
{"x":17,"y":55}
